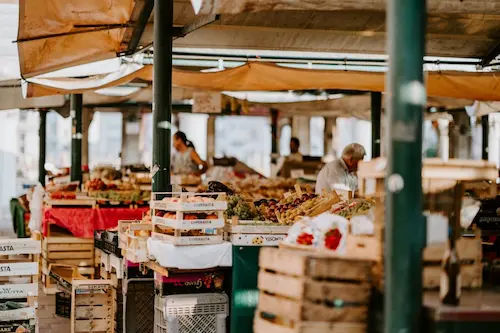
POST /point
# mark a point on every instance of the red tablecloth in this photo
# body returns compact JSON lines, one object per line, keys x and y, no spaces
{"x":82,"y":222}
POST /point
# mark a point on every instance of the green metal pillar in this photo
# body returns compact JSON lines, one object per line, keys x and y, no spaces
{"x":76,"y":106}
{"x":162,"y":93}
{"x":486,"y":129}
{"x":42,"y":143}
{"x":405,"y":227}
{"x":376,"y":99}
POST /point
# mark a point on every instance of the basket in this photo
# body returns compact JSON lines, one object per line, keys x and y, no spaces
{"x":191,"y":313}
{"x":63,"y":305}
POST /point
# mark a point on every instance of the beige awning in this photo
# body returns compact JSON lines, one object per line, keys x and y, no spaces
{"x":256,"y":76}
{"x":208,"y":7}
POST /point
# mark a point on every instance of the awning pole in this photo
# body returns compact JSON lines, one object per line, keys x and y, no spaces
{"x":162,"y":94}
{"x":405,"y":227}
{"x":76,"y":104}
{"x":274,"y":136}
{"x":42,"y":143}
{"x":376,"y":103}
{"x":486,"y":132}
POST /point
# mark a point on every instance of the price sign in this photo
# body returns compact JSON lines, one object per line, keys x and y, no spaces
{"x":207,"y":102}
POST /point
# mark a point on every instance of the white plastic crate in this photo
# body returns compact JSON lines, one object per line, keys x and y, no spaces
{"x":191,"y":313}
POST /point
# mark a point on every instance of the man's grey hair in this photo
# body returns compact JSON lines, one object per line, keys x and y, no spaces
{"x":354,"y":150}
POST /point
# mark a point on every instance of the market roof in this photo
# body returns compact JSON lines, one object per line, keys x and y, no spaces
{"x":56,"y":33}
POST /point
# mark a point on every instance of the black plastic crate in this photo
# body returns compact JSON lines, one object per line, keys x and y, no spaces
{"x":63,"y":305}
{"x":98,"y":242}
{"x":139,"y":305}
{"x":110,"y":243}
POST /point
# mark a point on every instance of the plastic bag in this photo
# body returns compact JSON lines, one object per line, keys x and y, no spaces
{"x":36,"y":208}
{"x":326,"y":231}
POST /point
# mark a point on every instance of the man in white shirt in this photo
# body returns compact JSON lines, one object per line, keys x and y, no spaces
{"x":342,"y":171}
{"x":295,"y":155}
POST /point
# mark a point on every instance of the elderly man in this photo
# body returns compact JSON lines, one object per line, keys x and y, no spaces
{"x":343,"y":170}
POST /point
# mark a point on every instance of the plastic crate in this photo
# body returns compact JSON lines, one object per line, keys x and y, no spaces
{"x":191,"y":313}
{"x":138,"y":299}
{"x":63,"y":305}
{"x":190,"y":283}
{"x":98,"y":242}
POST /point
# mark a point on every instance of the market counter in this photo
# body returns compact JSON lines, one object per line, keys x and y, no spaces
{"x":82,"y":222}
{"x":479,"y":311}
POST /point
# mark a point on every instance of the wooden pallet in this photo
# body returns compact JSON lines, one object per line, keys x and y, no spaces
{"x":301,"y":289}
{"x":66,"y":249}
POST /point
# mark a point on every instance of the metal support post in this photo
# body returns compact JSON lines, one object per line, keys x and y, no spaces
{"x":76,"y":105}
{"x":43,"y":139}
{"x":405,"y":227}
{"x":162,"y":93}
{"x":274,"y":135}
{"x":485,"y":125}
{"x":376,"y":99}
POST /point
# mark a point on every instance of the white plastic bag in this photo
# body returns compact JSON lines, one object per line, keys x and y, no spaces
{"x":36,"y":208}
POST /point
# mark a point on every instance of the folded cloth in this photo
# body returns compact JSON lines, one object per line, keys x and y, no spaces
{"x":190,"y":257}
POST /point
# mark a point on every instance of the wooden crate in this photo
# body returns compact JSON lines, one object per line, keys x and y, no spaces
{"x":252,"y":233}
{"x":301,"y":291}
{"x":19,"y":270}
{"x":137,"y":237}
{"x":469,"y":251}
{"x":92,"y":306}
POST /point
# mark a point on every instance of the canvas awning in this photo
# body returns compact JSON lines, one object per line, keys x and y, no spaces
{"x":256,"y":76}
{"x":54,"y":34}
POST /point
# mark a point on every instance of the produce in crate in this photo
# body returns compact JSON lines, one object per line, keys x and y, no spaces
{"x":293,"y":208}
{"x":353,"y":207}
{"x":237,"y":206}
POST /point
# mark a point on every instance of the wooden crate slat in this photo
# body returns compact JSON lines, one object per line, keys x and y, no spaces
{"x":71,"y":255}
{"x":257,"y":239}
{"x":70,"y":247}
{"x":9,"y":291}
{"x":18,"y":314}
{"x":65,"y":240}
{"x":471,"y":276}
{"x":265,"y":326}
{"x":97,"y":325}
{"x":93,"y":311}
{"x":296,"y":310}
{"x":299,"y":288}
{"x":282,"y":262}
{"x":467,"y":248}
{"x":23,"y":268}
{"x":19,"y":246}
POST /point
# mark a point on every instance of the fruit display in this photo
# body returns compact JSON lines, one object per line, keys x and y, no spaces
{"x":244,"y":210}
{"x":187,"y":216}
{"x":116,"y":191}
{"x":353,"y":207}
{"x":255,"y":188}
{"x":294,"y":207}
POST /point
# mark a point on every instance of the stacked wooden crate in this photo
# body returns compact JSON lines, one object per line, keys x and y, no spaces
{"x":188,"y":218}
{"x":309,"y":292}
{"x":437,"y":177}
{"x":60,"y":247}
{"x":19,"y":284}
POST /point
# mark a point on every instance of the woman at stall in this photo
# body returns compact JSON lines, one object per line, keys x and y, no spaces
{"x":185,"y":160}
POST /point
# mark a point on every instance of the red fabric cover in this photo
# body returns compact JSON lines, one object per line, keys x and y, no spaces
{"x":82,"y":222}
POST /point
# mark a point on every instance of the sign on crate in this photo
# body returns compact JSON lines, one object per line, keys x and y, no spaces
{"x":10,"y":291}
{"x":19,"y":268}
{"x":19,"y":246}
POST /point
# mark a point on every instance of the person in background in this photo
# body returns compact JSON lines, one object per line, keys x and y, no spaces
{"x":295,"y":155}
{"x":343,"y":170}
{"x":186,"y":161}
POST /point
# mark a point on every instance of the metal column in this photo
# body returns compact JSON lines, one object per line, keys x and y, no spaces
{"x":76,"y":105}
{"x":486,"y":130}
{"x":41,"y":156}
{"x":376,"y":103}
{"x":405,"y":227}
{"x":274,"y":135}
{"x":162,"y":93}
